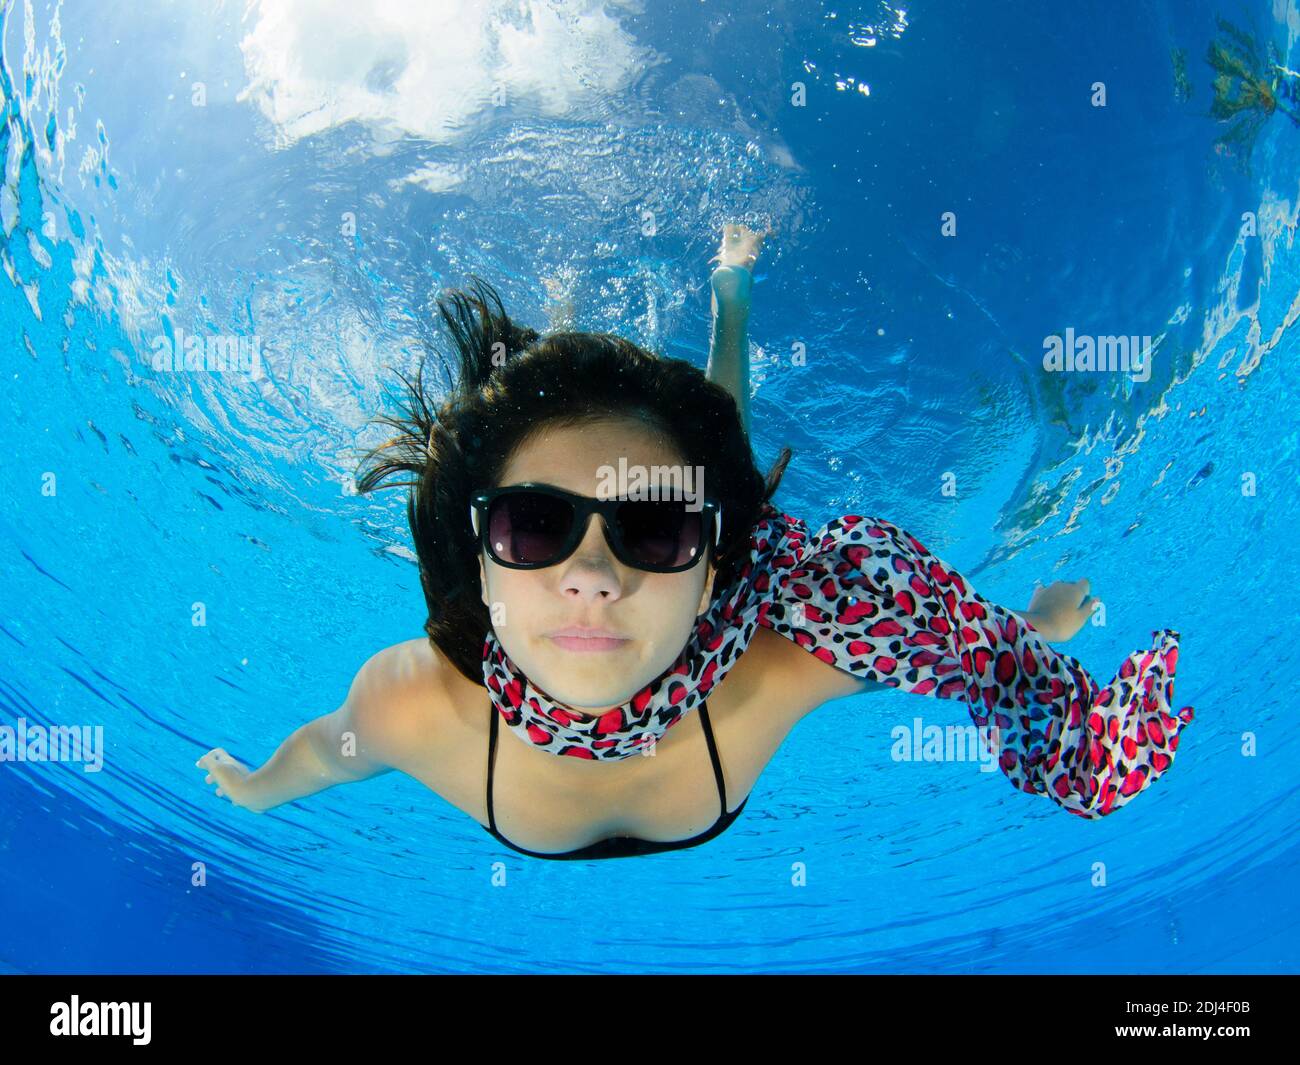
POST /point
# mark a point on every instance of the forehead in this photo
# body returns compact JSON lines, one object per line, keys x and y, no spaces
{"x":572,"y":457}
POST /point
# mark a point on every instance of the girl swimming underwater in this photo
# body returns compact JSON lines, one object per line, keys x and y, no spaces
{"x":592,"y":622}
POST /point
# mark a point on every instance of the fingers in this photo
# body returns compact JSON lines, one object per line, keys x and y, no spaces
{"x":210,"y":761}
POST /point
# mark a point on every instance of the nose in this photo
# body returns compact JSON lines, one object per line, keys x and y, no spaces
{"x":591,"y":572}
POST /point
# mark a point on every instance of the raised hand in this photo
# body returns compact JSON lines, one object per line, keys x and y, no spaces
{"x":740,"y":246}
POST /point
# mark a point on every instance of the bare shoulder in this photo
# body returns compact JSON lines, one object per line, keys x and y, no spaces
{"x":796,"y":679}
{"x":406,"y":667}
{"x":402,"y":704}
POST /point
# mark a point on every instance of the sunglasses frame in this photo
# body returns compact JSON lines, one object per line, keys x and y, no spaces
{"x":584,"y":507}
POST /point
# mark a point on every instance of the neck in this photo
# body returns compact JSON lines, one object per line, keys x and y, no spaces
{"x":587,"y":713}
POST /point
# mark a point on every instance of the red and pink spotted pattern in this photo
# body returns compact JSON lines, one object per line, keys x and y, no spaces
{"x":871,"y":600}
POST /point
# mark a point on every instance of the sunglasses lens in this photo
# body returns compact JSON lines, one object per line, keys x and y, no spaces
{"x":660,"y":532}
{"x":528,"y":528}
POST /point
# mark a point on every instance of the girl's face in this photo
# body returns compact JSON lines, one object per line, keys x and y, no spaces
{"x":655,"y":612}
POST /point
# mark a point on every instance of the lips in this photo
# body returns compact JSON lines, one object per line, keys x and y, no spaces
{"x":580,"y":639}
{"x":584,"y":633}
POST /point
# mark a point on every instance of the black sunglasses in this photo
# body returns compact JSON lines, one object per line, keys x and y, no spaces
{"x":529,"y":526}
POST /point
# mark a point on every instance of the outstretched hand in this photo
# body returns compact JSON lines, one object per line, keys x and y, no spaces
{"x":1059,"y":610}
{"x":230,"y":775}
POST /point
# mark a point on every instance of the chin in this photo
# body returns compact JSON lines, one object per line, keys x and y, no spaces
{"x":591,"y":682}
{"x":594,"y":696}
{"x":592,"y":699}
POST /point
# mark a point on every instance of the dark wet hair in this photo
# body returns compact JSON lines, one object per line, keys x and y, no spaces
{"x":513,"y":383}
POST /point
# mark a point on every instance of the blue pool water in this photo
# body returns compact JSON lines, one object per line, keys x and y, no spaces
{"x":311,"y":174}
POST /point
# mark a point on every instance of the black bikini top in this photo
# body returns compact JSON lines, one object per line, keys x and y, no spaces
{"x":623,"y":846}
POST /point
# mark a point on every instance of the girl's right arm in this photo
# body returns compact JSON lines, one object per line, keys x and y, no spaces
{"x":728,"y":363}
{"x":355,"y":742}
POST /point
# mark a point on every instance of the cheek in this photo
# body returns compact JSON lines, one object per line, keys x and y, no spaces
{"x":677,"y":596}
{"x":510,"y":594}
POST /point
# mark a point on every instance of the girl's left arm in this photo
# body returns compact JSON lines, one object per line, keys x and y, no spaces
{"x":863,"y":597}
{"x":805,"y":681}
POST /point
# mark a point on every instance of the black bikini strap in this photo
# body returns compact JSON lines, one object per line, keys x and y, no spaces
{"x":492,"y":750}
{"x":713,"y":754}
